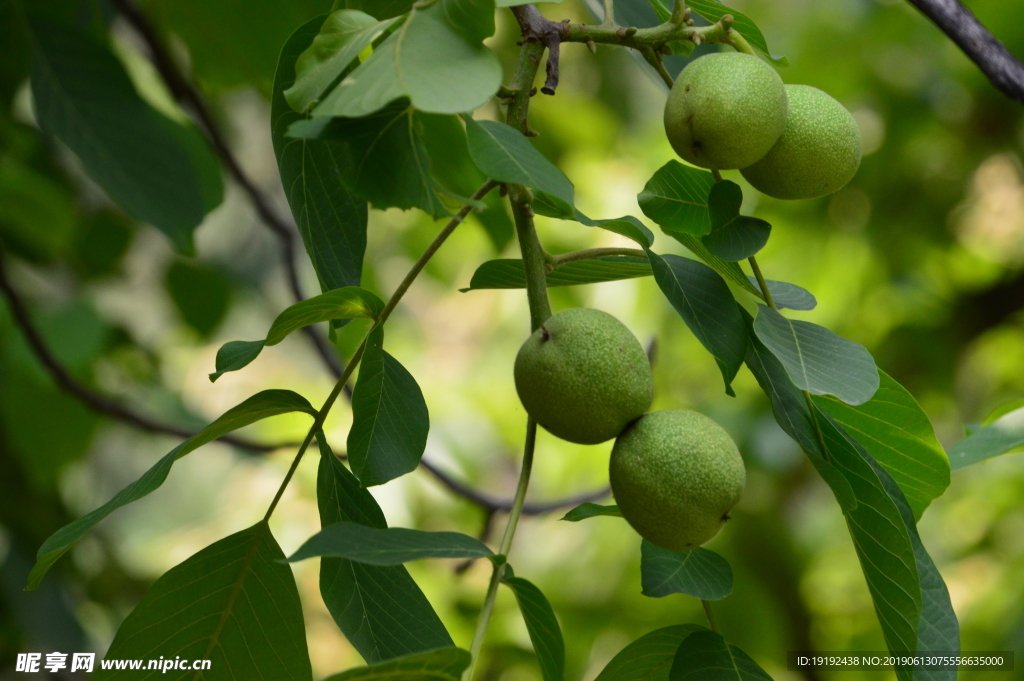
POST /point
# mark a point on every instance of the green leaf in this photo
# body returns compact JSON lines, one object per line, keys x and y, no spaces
{"x":676,"y":197}
{"x":350,"y":302}
{"x":541,"y":624}
{"x":342,"y":37}
{"x":389,"y":417}
{"x":330,"y":220}
{"x":730,"y":271}
{"x":444,"y":664}
{"x":385,"y":157}
{"x":733,"y":236}
{"x":649,"y":658}
{"x":792,"y":413}
{"x":698,"y":572}
{"x":380,"y":609}
{"x":892,"y":427}
{"x":818,"y":360}
{"x":504,"y":154}
{"x":705,"y":303}
{"x":144,"y":161}
{"x":509,"y":273}
{"x":233,"y":603}
{"x":260,"y":406}
{"x":496,"y":221}
{"x":589,"y":510}
{"x":712,"y":10}
{"x":436,"y":58}
{"x":1001,"y":436}
{"x":388,"y":546}
{"x":627,"y":226}
{"x":705,"y":655}
{"x":200,"y":293}
{"x":787,"y":296}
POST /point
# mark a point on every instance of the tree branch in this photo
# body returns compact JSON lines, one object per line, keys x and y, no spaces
{"x":1004,"y":70}
{"x":189,"y":96}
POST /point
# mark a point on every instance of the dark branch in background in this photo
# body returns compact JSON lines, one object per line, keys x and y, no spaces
{"x":188,"y":95}
{"x":104,"y":405}
{"x":1000,"y":65}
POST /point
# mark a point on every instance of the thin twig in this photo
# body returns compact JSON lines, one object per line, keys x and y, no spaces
{"x":1004,"y":70}
{"x":188,"y":95}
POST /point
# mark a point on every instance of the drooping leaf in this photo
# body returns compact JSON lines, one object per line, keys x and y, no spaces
{"x":733,"y":236}
{"x":260,"y":406}
{"x":892,"y":427}
{"x":148,"y":164}
{"x":818,"y":360}
{"x":730,"y":271}
{"x":788,"y":296}
{"x":380,"y":609}
{"x":436,"y":59}
{"x":649,"y":658}
{"x":705,"y":303}
{"x":705,"y":655}
{"x":712,"y":10}
{"x":541,"y":624}
{"x":386,"y":159}
{"x":342,"y":37}
{"x":443,"y":664}
{"x":496,"y":221}
{"x":676,"y":197}
{"x":331,"y":221}
{"x":201,"y":294}
{"x":509,"y":273}
{"x":350,"y":302}
{"x":590,"y":510}
{"x":390,"y":546}
{"x":389,"y":417}
{"x":504,"y":154}
{"x":699,"y":572}
{"x":627,"y":226}
{"x":1002,"y":435}
{"x":233,"y":603}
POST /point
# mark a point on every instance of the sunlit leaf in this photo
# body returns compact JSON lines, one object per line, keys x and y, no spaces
{"x":676,"y":197}
{"x":545,"y":634}
{"x":712,"y":10}
{"x":650,"y":657}
{"x":444,"y":664}
{"x":509,"y":273}
{"x":589,"y":510}
{"x":698,"y":572}
{"x":1004,"y":434}
{"x":817,"y":359}
{"x":705,"y":655}
{"x":233,"y":603}
{"x":260,"y":406}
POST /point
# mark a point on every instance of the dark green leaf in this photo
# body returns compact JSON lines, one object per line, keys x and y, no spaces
{"x":379,"y":608}
{"x":101,"y":242}
{"x":508,"y":273}
{"x":698,"y":572}
{"x":201,"y":294}
{"x":627,"y":226}
{"x":504,"y":154}
{"x":733,"y":236}
{"x":818,"y":360}
{"x":83,"y":97}
{"x":705,"y":656}
{"x":390,"y":546}
{"x":712,"y":10}
{"x":233,"y":603}
{"x":788,"y":296}
{"x":1003,"y":435}
{"x":589,"y":510}
{"x":342,"y":37}
{"x":648,"y":658}
{"x":260,"y":406}
{"x":382,"y":9}
{"x":436,"y":58}
{"x":892,"y":427}
{"x":729,"y":270}
{"x":676,"y":197}
{"x":389,"y":417}
{"x":331,"y":221}
{"x":385,"y":157}
{"x":705,"y":303}
{"x":545,"y":634}
{"x":235,"y":355}
{"x":496,"y":221}
{"x":445,"y":664}
{"x":792,"y":413}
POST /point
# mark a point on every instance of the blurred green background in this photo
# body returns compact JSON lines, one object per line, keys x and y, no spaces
{"x":920,"y":258}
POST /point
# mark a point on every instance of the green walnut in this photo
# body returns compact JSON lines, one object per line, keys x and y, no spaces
{"x":726,"y":110}
{"x":676,"y":474}
{"x":818,"y":153}
{"x":583,"y":376}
